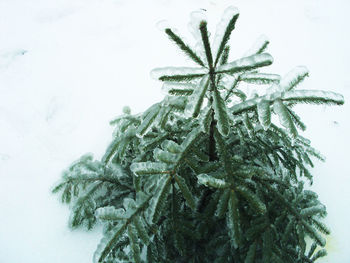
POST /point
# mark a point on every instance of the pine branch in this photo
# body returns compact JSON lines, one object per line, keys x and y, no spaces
{"x":313,"y":97}
{"x":220,"y":113}
{"x":259,"y":46}
{"x":233,"y":86}
{"x":109,"y":242}
{"x":188,"y":51}
{"x":234,"y":176}
{"x":204,"y":33}
{"x":230,"y":27}
{"x":193,"y":107}
{"x":246,"y":64}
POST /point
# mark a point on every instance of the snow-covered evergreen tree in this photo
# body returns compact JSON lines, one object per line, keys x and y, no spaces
{"x":205,"y":175}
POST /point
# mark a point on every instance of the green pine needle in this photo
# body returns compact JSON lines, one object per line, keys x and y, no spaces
{"x":206,"y":175}
{"x":188,"y":51}
{"x":204,"y":33}
{"x":230,"y":27}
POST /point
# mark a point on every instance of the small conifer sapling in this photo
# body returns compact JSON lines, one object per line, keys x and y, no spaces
{"x":205,"y":175}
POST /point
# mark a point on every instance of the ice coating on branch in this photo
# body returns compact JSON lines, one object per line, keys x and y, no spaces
{"x":164,"y":156}
{"x":272,"y":89}
{"x":147,"y":120}
{"x":258,"y":47}
{"x":171,"y":146}
{"x":129,"y":204}
{"x":229,"y":81}
{"x":164,"y":24}
{"x":176,"y":103}
{"x":141,"y":197}
{"x":281,"y":110}
{"x":107,"y":243}
{"x":134,"y":246}
{"x":313,"y":210}
{"x":158,"y":202}
{"x":253,"y":94}
{"x":148,"y":168}
{"x":230,"y":12}
{"x":196,"y":18}
{"x":316,"y":94}
{"x":233,"y":221}
{"x":110,"y":213}
{"x":126,"y":110}
{"x":171,"y":87}
{"x":157,"y":73}
{"x":294,"y":77}
{"x":220,"y":113}
{"x":205,"y":119}
{"x":243,"y":106}
{"x":196,"y":99}
{"x":248,"y":125}
{"x":314,"y":234}
{"x":260,"y":78}
{"x":189,"y":141}
{"x":101,"y":246}
{"x":208,"y":180}
{"x":160,"y":120}
{"x":247,"y":63}
{"x":264,"y":113}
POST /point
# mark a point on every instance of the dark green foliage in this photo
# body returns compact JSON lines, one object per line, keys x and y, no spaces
{"x":205,"y":175}
{"x":205,"y":38}
{"x":230,"y":27}
{"x":183,"y":46}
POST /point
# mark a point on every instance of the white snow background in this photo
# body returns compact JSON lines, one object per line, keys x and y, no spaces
{"x":67,"y":67}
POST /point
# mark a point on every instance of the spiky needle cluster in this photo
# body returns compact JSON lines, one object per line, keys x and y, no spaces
{"x":204,"y":175}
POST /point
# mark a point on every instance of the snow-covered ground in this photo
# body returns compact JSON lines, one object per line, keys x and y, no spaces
{"x":67,"y":67}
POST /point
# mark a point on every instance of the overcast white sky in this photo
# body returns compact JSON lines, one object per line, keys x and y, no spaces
{"x":67,"y":67}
